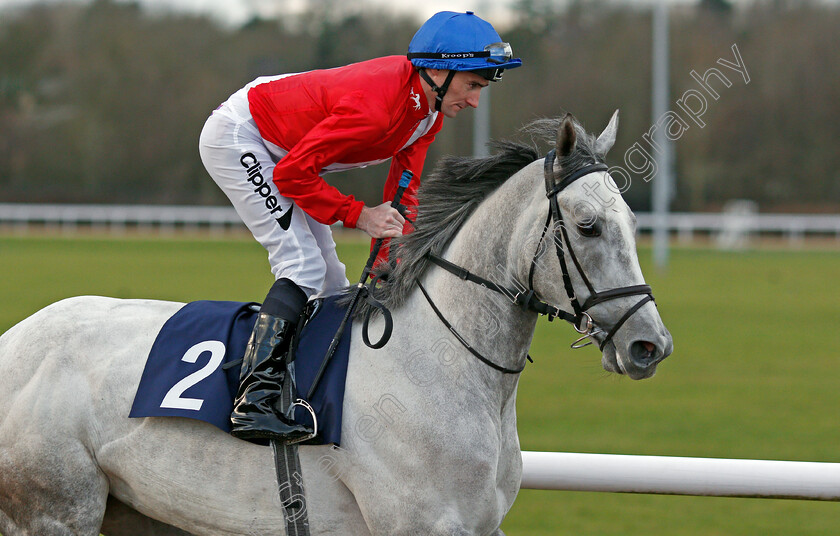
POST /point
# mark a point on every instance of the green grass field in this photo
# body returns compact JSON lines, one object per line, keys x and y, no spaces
{"x":754,"y":372}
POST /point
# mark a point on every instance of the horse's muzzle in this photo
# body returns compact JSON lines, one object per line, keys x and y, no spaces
{"x":639,"y":359}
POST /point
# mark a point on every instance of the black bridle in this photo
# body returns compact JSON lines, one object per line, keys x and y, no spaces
{"x":583,"y":322}
{"x":579,"y":318}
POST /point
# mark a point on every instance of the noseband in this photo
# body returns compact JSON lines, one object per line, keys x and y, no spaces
{"x":579,"y":318}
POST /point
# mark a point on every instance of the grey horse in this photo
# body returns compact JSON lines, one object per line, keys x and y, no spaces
{"x":429,"y":441}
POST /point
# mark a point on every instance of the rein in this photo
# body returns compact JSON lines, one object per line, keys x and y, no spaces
{"x":527,"y":299}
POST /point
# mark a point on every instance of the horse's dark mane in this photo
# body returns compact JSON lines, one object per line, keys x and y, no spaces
{"x":448,"y":196}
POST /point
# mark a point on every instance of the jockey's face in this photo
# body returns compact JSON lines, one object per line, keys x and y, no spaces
{"x":464,"y":90}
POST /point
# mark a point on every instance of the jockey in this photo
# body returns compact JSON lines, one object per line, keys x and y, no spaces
{"x":268,"y":144}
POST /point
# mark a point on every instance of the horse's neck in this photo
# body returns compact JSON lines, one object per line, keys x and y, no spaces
{"x":489,"y":321}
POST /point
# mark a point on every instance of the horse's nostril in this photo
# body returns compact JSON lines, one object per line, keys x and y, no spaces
{"x":643,"y":353}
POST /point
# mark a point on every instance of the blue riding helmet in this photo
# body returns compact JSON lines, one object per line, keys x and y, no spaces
{"x":459,"y":42}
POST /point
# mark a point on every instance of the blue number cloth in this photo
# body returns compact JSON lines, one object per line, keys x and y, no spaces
{"x":185,"y":374}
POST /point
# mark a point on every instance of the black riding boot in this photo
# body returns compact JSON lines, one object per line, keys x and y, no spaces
{"x":256,"y":412}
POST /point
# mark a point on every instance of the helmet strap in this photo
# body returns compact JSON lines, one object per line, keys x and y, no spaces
{"x":439,"y":91}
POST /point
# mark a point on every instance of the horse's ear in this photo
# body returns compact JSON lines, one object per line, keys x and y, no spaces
{"x":566,"y":137}
{"x":607,"y":138}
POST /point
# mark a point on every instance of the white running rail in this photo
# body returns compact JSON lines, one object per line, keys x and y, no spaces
{"x":117,"y":217}
{"x":672,"y":475}
{"x":169,"y":217}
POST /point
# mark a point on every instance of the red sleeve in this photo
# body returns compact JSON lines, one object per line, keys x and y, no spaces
{"x":297,"y":175}
{"x":412,"y":158}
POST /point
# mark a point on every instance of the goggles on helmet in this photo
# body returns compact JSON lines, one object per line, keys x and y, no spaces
{"x":497,"y":53}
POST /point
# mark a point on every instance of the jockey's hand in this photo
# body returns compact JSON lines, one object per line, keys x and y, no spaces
{"x":382,"y":221}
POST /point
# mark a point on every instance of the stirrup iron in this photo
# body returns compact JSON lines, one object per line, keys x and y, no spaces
{"x":305,"y":405}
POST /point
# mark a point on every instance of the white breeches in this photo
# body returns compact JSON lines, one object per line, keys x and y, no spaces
{"x":242,"y":164}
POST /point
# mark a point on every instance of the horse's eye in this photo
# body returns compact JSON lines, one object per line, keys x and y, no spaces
{"x":590,"y":229}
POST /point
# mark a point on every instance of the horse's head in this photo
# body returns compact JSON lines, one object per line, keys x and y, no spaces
{"x":566,"y":248}
{"x":587,"y":255}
